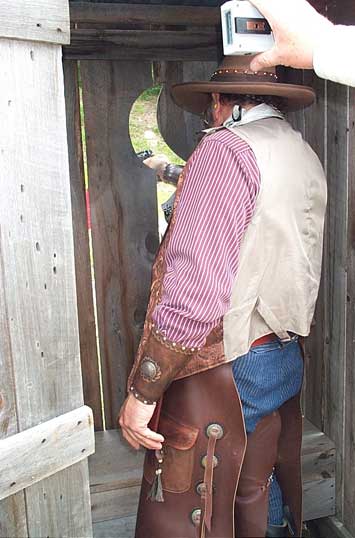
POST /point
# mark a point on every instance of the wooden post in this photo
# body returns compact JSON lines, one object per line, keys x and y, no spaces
{"x":38,"y":316}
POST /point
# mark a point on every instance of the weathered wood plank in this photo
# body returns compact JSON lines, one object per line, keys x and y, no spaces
{"x":124,"y":218}
{"x":331,"y":527}
{"x":38,"y":268}
{"x":143,"y":44}
{"x":349,"y":433}
{"x":123,"y":528}
{"x":34,"y":454}
{"x":109,"y":52}
{"x":38,"y":20}
{"x":114,"y":465}
{"x":317,"y":343}
{"x":87,"y":330}
{"x":344,"y":14}
{"x":336,"y":268}
{"x":115,"y":503}
{"x":13,"y":510}
{"x":318,"y":499}
{"x":106,"y":13}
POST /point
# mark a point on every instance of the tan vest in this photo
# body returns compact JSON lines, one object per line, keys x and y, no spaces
{"x":280,"y":260}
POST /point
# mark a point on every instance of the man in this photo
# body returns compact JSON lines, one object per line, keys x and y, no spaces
{"x":305,"y":39}
{"x":234,"y":286}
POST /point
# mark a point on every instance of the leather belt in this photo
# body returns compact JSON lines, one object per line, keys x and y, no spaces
{"x":265,"y":340}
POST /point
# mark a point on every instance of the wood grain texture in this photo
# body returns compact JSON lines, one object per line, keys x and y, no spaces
{"x":336,"y":269}
{"x":331,"y":527}
{"x":87,"y":330}
{"x":106,"y":13}
{"x":38,"y":267}
{"x":143,"y":45}
{"x":12,"y":510}
{"x":114,"y":465}
{"x":349,"y":418}
{"x":329,"y":127}
{"x":34,"y":454}
{"x":317,"y":343}
{"x":38,"y":20}
{"x":123,"y":528}
{"x":180,"y":129}
{"x":124,"y":218}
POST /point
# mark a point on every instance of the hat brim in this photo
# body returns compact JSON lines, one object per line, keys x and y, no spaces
{"x":195,"y":96}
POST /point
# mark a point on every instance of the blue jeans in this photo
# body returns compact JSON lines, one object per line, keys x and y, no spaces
{"x":266,"y":377}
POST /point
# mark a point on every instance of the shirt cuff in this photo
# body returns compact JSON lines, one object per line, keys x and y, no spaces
{"x":332,"y":57}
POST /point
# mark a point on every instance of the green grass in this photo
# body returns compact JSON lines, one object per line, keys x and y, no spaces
{"x":143,"y":118}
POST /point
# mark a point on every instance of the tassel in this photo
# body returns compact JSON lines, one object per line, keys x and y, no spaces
{"x":156,"y":491}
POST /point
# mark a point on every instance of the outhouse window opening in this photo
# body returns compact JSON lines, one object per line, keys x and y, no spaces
{"x":150,"y":146}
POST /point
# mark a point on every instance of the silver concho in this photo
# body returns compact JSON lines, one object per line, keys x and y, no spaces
{"x":150,"y":370}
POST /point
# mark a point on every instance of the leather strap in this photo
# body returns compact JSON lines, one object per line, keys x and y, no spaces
{"x":265,"y":340}
{"x":208,"y":481}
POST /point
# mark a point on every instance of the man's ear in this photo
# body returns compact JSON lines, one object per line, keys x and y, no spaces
{"x":216,"y":103}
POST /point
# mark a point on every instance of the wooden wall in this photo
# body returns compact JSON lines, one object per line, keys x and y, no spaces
{"x":329,"y":394}
{"x":329,"y":126}
{"x":39,"y":343}
{"x":123,"y":252}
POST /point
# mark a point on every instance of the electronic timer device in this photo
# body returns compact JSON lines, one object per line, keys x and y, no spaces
{"x":245,"y":30}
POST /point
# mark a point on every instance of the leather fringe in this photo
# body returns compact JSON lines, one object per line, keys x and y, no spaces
{"x":156,"y":491}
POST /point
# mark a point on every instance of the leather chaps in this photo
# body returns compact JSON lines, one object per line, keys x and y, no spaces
{"x":215,"y":484}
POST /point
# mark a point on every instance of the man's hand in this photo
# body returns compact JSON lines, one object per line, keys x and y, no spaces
{"x":297,"y":27}
{"x":133,"y":419}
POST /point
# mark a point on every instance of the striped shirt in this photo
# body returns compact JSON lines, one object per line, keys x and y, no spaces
{"x":217,"y":202}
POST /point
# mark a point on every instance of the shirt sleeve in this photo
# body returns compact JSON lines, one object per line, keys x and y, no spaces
{"x":216,"y":205}
{"x":333,"y":55}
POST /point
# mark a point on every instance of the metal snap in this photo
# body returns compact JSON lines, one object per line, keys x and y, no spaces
{"x":196,"y":516}
{"x":204,"y":461}
{"x":200,"y":488}
{"x":216,"y":430}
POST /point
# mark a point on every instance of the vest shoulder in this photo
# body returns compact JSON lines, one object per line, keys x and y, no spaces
{"x":228,"y":139}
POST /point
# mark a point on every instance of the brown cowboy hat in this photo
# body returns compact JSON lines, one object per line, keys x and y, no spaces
{"x":234,"y":76}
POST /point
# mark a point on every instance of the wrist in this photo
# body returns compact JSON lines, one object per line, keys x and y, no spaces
{"x":138,"y":396}
{"x":160,"y":362}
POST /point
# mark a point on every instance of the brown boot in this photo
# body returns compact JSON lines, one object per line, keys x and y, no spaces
{"x":251,"y":504}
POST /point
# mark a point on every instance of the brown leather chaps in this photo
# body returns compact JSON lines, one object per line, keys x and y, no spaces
{"x":215,"y":484}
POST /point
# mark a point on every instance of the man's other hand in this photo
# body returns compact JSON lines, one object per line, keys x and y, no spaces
{"x":297,"y":27}
{"x":134,"y":419}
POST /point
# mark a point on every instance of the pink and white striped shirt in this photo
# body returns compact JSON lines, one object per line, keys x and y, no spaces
{"x":217,"y":202}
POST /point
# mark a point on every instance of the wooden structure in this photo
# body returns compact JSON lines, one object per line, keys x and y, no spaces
{"x":46,"y":433}
{"x":118,"y":50}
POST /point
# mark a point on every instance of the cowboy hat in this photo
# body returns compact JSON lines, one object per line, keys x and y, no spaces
{"x":233,"y":76}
